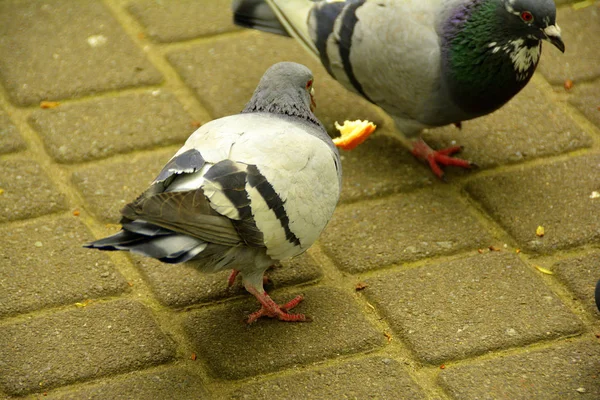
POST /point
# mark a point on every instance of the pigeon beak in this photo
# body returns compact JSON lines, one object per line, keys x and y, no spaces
{"x":552,"y":33}
{"x":313,"y":104}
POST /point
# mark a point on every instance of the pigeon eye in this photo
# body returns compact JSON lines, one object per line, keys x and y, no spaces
{"x":309,"y":84}
{"x":527,"y":16}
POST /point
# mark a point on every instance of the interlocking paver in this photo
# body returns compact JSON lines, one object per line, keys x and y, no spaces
{"x":586,"y":98}
{"x":580,"y":60}
{"x":27,"y":191}
{"x":407,"y":227}
{"x":580,"y":275}
{"x":108,"y":128}
{"x":380,"y":166}
{"x":79,"y":344}
{"x":68,"y":49}
{"x":172,"y":21}
{"x":557,"y":196}
{"x":172,"y":383}
{"x":242,"y":60}
{"x":108,"y":185}
{"x":10,"y":140}
{"x":233,"y":350}
{"x":380,"y":378}
{"x":565,"y":371}
{"x":470,"y":306}
{"x":43,"y":264}
{"x":178,"y":285}
{"x":529,"y":126}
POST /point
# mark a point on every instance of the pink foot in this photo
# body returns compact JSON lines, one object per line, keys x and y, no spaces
{"x":273,"y":310}
{"x":422,"y":151}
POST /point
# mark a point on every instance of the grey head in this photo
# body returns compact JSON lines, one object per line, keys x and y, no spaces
{"x":491,"y":48}
{"x":286,"y":88}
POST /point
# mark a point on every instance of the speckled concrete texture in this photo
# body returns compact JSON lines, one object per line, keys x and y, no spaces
{"x":417,"y":289}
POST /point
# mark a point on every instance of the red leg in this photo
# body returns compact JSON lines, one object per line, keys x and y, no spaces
{"x":422,"y":151}
{"x":232,"y":276}
{"x":272,"y":310}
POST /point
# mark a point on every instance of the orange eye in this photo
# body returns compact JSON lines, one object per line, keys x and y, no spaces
{"x":309,"y":84}
{"x":527,"y":16}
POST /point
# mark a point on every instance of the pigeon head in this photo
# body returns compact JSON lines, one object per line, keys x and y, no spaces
{"x":534,"y":19}
{"x":285,"y":88}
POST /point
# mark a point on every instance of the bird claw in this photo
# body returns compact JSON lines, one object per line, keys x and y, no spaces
{"x":273,"y":310}
{"x":422,"y":151}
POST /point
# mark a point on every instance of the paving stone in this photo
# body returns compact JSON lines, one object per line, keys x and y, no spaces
{"x":27,"y":191}
{"x":84,"y":51}
{"x":580,"y":275}
{"x":581,"y":34}
{"x":173,"y":21}
{"x":233,"y":350}
{"x":103,"y":127}
{"x":556,"y":196}
{"x":108,"y":185}
{"x":178,"y":285}
{"x":528,"y":127}
{"x":242,"y":60}
{"x":10,"y":140}
{"x":380,"y":378}
{"x":409,"y":227}
{"x":44,"y":265}
{"x":586,"y":98}
{"x":381,"y":166}
{"x":565,"y":371}
{"x":80,"y":344}
{"x":172,"y":383}
{"x":460,"y":308}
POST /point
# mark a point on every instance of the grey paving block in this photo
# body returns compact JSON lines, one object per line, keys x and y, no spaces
{"x":180,"y":285}
{"x":171,"y":383}
{"x":586,"y":98}
{"x":79,"y":344}
{"x":469,"y":306}
{"x":242,"y":60}
{"x":232,"y":350}
{"x":108,"y":185}
{"x":407,"y":227}
{"x":43,"y":264}
{"x":564,"y":371}
{"x":80,"y":49}
{"x":380,"y":378}
{"x":580,"y":275}
{"x":581,"y":34}
{"x":172,"y":21}
{"x":528,"y":127}
{"x":10,"y":140}
{"x":103,"y":127}
{"x":27,"y":191}
{"x":556,"y":196}
{"x":380,"y":166}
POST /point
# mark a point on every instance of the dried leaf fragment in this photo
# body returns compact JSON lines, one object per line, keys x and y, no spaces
{"x":76,"y":213}
{"x":544,"y":270}
{"x":539,"y":231}
{"x":388,"y":336}
{"x":49,"y":104}
{"x":360,"y":286}
{"x":193,"y":357}
{"x":568,"y":84}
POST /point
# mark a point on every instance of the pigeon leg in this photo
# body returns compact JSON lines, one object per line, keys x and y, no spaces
{"x":272,"y":310}
{"x":422,"y":151}
{"x":232,"y":276}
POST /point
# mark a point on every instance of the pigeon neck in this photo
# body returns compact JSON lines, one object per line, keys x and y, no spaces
{"x":291,"y":104}
{"x":484,"y":65}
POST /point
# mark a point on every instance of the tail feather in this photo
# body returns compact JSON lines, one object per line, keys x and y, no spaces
{"x":256,"y":14}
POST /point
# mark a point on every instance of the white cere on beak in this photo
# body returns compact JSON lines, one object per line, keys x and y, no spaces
{"x":552,"y":31}
{"x":312,"y":91}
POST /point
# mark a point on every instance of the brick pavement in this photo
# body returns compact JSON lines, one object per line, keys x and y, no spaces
{"x":459,"y":302}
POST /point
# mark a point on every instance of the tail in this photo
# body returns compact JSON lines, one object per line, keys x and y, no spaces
{"x":285,"y":17}
{"x":152,"y":241}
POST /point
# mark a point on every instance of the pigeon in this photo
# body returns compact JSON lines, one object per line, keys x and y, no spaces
{"x":244,"y":192}
{"x":426,"y":63}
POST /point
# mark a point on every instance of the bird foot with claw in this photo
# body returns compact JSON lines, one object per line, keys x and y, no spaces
{"x":434,"y":158}
{"x":273,"y":310}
